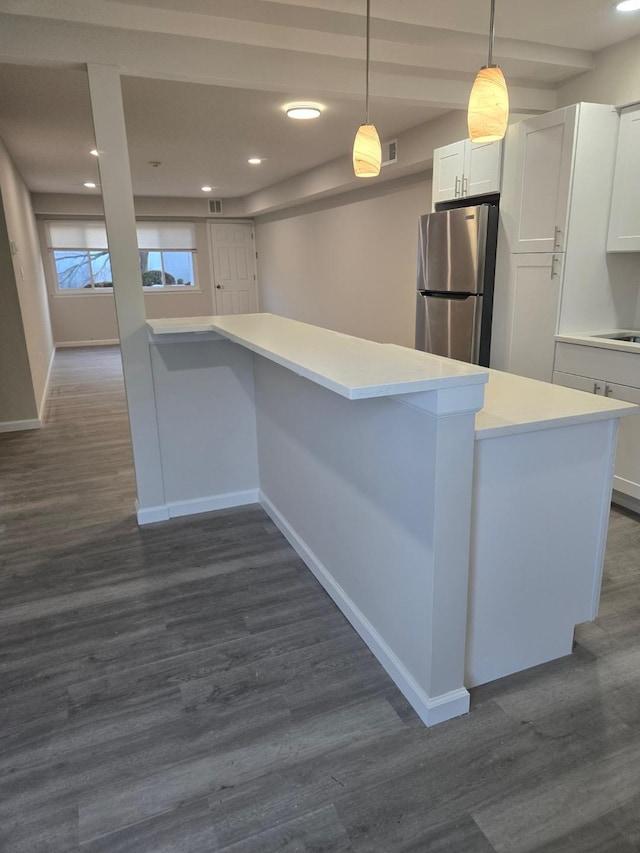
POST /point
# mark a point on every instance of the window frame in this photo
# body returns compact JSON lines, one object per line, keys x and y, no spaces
{"x":84,"y":291}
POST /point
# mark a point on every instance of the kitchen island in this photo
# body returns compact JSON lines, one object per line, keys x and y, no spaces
{"x":463,"y":538}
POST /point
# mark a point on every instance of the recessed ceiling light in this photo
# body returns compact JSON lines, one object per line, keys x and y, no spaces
{"x":628,"y":6}
{"x":94,"y":151}
{"x":255,"y":161}
{"x":89,"y":185}
{"x":303,"y":111}
{"x":206,"y":188}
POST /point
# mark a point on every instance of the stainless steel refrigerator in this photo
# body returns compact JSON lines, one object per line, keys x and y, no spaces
{"x":456,"y":268}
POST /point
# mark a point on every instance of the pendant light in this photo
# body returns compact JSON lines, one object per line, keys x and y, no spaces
{"x":489,"y":102}
{"x":367,"y":152}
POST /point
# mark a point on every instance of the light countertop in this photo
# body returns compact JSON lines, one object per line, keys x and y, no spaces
{"x":352,"y":367}
{"x":515,"y":404}
{"x":357,"y":369}
{"x":590,"y":339}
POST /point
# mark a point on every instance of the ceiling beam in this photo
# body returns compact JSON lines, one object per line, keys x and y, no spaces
{"x":34,"y":40}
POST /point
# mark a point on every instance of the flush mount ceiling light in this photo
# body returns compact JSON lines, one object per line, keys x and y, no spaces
{"x":628,"y":6}
{"x":488,"y":112}
{"x":367,"y":151}
{"x":206,"y":188}
{"x":303,"y":111}
{"x":255,"y":161}
{"x":89,"y":185}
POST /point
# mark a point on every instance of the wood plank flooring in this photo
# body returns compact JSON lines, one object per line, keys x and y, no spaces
{"x":188,"y":687}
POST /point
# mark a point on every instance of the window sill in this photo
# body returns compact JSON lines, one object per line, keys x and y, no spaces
{"x":83,"y":293}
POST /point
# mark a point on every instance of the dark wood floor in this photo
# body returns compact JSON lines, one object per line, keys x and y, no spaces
{"x":188,"y":687}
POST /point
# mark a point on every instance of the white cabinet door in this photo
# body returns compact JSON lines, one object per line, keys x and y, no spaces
{"x":448,"y":168}
{"x":535,"y":212}
{"x":483,"y":167}
{"x":534,"y":301}
{"x":627,"y":470}
{"x":627,"y":477}
{"x":624,"y":220}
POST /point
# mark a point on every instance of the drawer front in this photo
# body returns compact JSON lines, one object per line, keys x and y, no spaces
{"x":622,"y":368}
{"x":579,"y":383}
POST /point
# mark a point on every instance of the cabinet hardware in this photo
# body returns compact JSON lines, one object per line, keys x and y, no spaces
{"x":465,"y":186}
{"x":608,"y":390}
{"x":596,"y":387}
{"x":457,"y":188}
{"x":556,"y":238}
{"x":553,"y":273}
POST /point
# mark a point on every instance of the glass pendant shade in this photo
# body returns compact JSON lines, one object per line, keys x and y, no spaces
{"x":488,"y":106}
{"x":367,"y":152}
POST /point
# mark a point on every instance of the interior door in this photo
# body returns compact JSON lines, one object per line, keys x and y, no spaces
{"x":234,"y":267}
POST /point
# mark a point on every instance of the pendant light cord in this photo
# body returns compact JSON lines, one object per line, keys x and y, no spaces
{"x":492,"y":31}
{"x":367,"y":74}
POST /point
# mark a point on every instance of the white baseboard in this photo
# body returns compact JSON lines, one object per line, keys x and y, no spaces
{"x":152,"y":514}
{"x":106,"y":343}
{"x":430,"y":709}
{"x":16,"y":426}
{"x":212,"y":503}
{"x":177,"y":509}
{"x":45,"y":390}
{"x":626,"y":487}
{"x":626,"y":501}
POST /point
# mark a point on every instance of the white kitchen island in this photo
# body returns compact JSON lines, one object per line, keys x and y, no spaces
{"x":462,"y":540}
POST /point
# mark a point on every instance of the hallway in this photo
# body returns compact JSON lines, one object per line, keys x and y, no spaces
{"x":188,"y":687}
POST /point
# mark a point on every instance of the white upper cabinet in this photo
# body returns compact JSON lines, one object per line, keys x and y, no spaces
{"x":448,"y":169}
{"x":538,"y":188}
{"x":624,"y":221}
{"x":465,"y":169}
{"x":483,"y":167}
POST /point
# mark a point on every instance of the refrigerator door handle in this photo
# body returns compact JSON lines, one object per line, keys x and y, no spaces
{"x":446,"y":294}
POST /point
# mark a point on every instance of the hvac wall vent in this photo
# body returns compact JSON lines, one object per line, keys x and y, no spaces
{"x":390,"y":152}
{"x":215,"y":206}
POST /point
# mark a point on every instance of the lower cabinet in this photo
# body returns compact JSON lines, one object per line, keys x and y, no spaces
{"x":627,"y":471}
{"x":533,"y":304}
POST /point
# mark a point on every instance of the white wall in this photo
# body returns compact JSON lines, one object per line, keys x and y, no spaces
{"x":78,"y":318}
{"x":350,"y":266}
{"x":614,"y":80}
{"x":17,"y":400}
{"x":29,"y":274}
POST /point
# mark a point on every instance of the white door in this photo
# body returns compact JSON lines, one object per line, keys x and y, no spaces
{"x":234,"y":267}
{"x":535,"y":282}
{"x":448,"y":166}
{"x":624,"y":223}
{"x":536,"y":200}
{"x":482,"y":168}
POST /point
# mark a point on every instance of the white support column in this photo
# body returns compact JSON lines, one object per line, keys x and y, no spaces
{"x":117,"y":195}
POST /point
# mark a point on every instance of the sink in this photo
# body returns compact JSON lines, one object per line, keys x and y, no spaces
{"x":626,"y":337}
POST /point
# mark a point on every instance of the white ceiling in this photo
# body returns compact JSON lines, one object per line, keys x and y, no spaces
{"x":232,"y":65}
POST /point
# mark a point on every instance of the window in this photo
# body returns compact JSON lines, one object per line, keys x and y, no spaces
{"x":81,"y":256}
{"x":166,"y":253}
